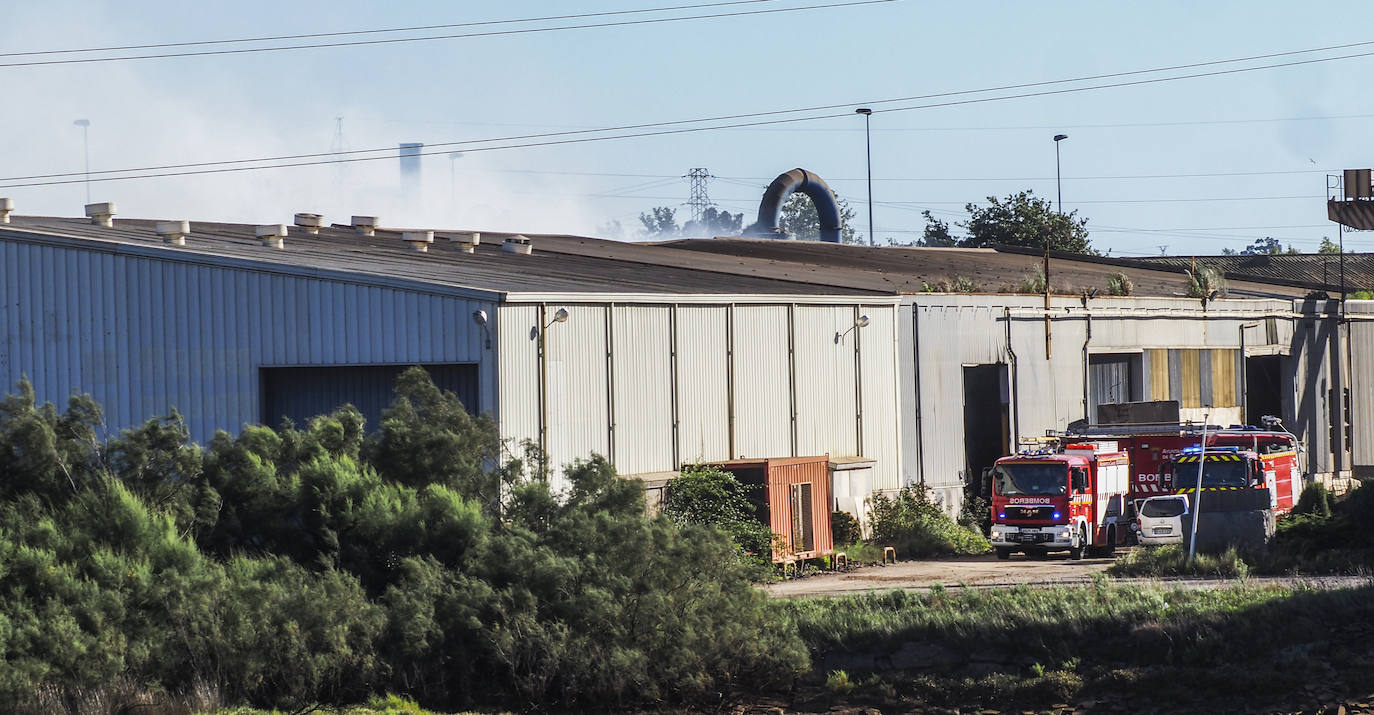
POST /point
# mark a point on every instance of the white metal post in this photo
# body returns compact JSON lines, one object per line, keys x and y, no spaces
{"x":1197,"y":493}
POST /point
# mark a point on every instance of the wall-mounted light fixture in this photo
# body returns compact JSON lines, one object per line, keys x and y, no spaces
{"x":859,"y":322}
{"x":480,"y":317}
{"x":560,"y":317}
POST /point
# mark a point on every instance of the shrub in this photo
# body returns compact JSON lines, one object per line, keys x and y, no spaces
{"x":1173,"y":560}
{"x":1203,"y":280}
{"x":1315,"y":500}
{"x":1033,"y":282}
{"x":708,"y":496}
{"x":916,"y":526}
{"x":1120,"y":284}
{"x":844,"y":528}
{"x":838,"y":682}
{"x":963,"y":284}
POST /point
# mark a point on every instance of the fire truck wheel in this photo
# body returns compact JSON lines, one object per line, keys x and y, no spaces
{"x":1004,"y":554}
{"x":1076,"y":552}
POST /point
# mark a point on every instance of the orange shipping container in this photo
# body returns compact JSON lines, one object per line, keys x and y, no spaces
{"x":794,"y":501}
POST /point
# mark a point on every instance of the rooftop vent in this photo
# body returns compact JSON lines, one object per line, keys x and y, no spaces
{"x":273,"y":235}
{"x":310,"y":222}
{"x":466,"y":242}
{"x":418,"y":240}
{"x":174,"y":232}
{"x":101,"y":214}
{"x":6,"y":206}
{"x":365,"y":225}
{"x":517,"y":244}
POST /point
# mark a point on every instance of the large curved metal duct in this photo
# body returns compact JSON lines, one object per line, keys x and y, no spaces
{"x":770,"y":209}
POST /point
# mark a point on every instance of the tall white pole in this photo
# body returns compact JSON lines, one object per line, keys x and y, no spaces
{"x":1197,"y":493}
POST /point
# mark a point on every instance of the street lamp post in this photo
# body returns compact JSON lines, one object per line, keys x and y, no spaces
{"x":85,"y":125}
{"x":1046,"y":268}
{"x":868,"y":149}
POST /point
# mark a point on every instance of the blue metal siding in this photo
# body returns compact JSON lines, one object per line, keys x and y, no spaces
{"x":144,"y":335}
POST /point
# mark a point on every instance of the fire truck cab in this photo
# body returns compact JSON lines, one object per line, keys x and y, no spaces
{"x":1236,"y":467}
{"x":1072,"y":500}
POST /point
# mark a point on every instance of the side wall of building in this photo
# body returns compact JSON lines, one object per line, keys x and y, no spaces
{"x":145,"y":335}
{"x":656,"y":386}
{"x":1170,"y":349}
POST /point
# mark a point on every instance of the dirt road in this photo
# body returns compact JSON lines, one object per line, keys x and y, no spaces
{"x":980,"y":571}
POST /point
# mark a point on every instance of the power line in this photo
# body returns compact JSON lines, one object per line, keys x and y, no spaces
{"x":390,"y":41}
{"x":551,"y":141}
{"x":416,"y":28}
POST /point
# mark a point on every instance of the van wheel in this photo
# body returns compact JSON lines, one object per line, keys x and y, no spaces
{"x":1110,"y":549}
{"x":1004,"y":554}
{"x":1077,"y":552}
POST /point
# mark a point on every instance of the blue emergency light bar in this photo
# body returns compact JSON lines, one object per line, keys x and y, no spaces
{"x":1198,"y":450}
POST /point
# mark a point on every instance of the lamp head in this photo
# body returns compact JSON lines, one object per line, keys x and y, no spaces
{"x":861,"y":321}
{"x":561,"y":316}
{"x":864,"y":111}
{"x":1060,"y":137}
{"x":479,"y":317}
{"x":82,"y":122}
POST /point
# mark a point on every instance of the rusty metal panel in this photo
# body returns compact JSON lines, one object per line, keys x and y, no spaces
{"x":783,"y":476}
{"x":1158,"y":360}
{"x":1190,"y":379}
{"x":577,"y":394}
{"x":882,"y":418}
{"x":761,"y":375}
{"x":1224,"y":378}
{"x":641,"y":364}
{"x":826,"y":392}
{"x":703,"y":384}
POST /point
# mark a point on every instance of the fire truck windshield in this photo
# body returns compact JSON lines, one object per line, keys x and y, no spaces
{"x":1050,"y":479}
{"x":1214,"y":474}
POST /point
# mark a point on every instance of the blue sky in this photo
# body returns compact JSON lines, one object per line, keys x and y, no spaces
{"x":1129,"y":165}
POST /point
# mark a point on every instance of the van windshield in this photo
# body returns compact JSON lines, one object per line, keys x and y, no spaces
{"x":1031,"y":479}
{"x":1156,"y":508}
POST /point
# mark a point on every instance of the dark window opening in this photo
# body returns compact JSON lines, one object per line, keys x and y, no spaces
{"x":1263,"y":387}
{"x":803,"y":530}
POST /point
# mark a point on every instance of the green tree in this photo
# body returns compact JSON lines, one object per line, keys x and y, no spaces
{"x":714,"y":223}
{"x":1021,"y":219}
{"x":800,"y":220}
{"x":1329,"y":246}
{"x":710,"y":496}
{"x":660,"y":223}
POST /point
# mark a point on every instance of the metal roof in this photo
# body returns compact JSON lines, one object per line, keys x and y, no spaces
{"x":907,"y":269}
{"x":559,"y":265}
{"x":1312,"y":271}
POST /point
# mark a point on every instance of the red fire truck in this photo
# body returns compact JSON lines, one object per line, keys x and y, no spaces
{"x":1156,"y":449}
{"x":1072,"y":500}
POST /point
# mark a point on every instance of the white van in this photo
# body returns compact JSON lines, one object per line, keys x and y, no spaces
{"x":1159,"y":520}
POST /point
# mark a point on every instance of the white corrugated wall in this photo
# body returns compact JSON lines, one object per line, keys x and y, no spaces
{"x":641,"y":363}
{"x":882,"y":425}
{"x":578,"y":394}
{"x":826,"y":398}
{"x":703,"y":397}
{"x":761,"y":370}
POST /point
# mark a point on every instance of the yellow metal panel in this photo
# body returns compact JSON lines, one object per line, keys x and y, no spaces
{"x":1191,"y":378}
{"x":1159,"y":374}
{"x":1224,"y":378}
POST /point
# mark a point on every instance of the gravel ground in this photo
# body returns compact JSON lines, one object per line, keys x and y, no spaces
{"x":988,"y":572}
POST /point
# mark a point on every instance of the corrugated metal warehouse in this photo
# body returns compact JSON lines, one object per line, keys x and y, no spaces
{"x":665,"y":354}
{"x":580,"y":346}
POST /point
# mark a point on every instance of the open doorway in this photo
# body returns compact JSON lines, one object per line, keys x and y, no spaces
{"x":1263,"y":387}
{"x":986,"y":422}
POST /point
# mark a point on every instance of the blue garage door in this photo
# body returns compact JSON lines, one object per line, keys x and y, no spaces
{"x":300,"y":393}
